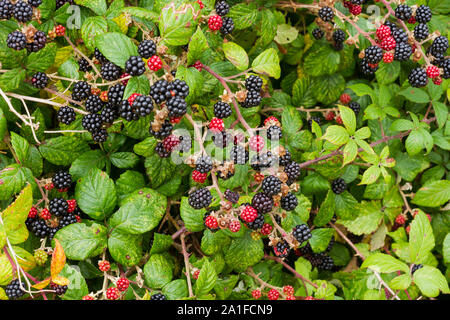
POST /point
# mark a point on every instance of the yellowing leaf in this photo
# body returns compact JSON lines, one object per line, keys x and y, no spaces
{"x":42,"y":284}
{"x":61,"y":280}
{"x":58,"y":259}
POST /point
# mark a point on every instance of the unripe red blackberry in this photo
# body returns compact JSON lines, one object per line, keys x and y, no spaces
{"x":256,"y":294}
{"x":147,"y":49}
{"x":211,"y":222}
{"x":355,"y":10}
{"x":39,"y":80}
{"x":288,"y":290}
{"x":248,"y":214}
{"x":289,"y":202}
{"x":122,"y":284}
{"x":199,"y":177}
{"x":345,"y":98}
{"x":326,"y":14}
{"x":432,"y":71}
{"x":60,"y":30}
{"x":338,"y":185}
{"x":104,"y":265}
{"x":216,"y":125}
{"x":45,"y":214}
{"x":200,"y":198}
{"x":112,"y":293}
{"x":215,"y":22}
{"x":388,"y":43}
{"x":154,"y":63}
{"x":266,"y":229}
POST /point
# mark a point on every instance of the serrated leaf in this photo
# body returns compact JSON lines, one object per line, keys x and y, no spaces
{"x":433,"y":194}
{"x":421,"y":238}
{"x":158,"y":271}
{"x":116,"y":47}
{"x":267,"y":63}
{"x":206,"y":279}
{"x":430,"y":281}
{"x":384,"y":263}
{"x":336,"y":135}
{"x":236,"y":55}
{"x":326,"y":210}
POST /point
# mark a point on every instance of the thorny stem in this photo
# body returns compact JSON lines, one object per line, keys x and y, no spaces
{"x":186,"y":263}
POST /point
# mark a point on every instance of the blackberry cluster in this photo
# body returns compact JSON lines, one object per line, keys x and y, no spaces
{"x":281,"y":249}
{"x":262,"y":202}
{"x":200,"y":198}
{"x":60,"y":3}
{"x":158,"y":296}
{"x":35,"y":3}
{"x":418,"y":78}
{"x":227,"y":26}
{"x":326,"y":14}
{"x":164,"y":132}
{"x":271,"y":185}
{"x":180,"y":88}
{"x":108,"y":114}
{"x":289,"y":202}
{"x":285,"y":159}
{"x":58,"y":207}
{"x":439,"y":46}
{"x":222,"y":139}
{"x":66,"y":220}
{"x":403,"y":12}
{"x":423,"y":14}
{"x":59,"y":290}
{"x":66,"y":115}
{"x":204,"y":164}
{"x":317,"y":33}
{"x":253,"y":99}
{"x":135,"y":66}
{"x":38,"y":227}
{"x":115,"y":94}
{"x":339,"y":38}
{"x":231,"y":196}
{"x":109,"y":71}
{"x":39,"y":80}
{"x":222,"y":8}
{"x":338,"y":186}
{"x":100,"y":135}
{"x":22,"y":11}
{"x":91,"y":122}
{"x":16,"y":40}
{"x":373,"y":54}
{"x":253,"y":83}
{"x":62,"y":180}
{"x":177,"y":107}
{"x":274,"y":133}
{"x":421,"y":32}
{"x":147,"y":49}
{"x":84,"y":65}
{"x":94,"y":104}
{"x":399,"y":35}
{"x":301,"y":233}
{"x":323,"y":262}
{"x":445,"y":65}
{"x":127,"y":112}
{"x":262,"y":160}
{"x":402,"y":51}
{"x":161,"y":151}
{"x":355,"y":106}
{"x":239,"y":155}
{"x":13,"y":290}
{"x":222,"y":110}
{"x":81,"y":91}
{"x":6,"y":8}
{"x":38,"y":43}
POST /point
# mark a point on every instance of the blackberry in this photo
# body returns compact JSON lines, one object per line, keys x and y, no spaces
{"x":135,"y":66}
{"x":339,"y":35}
{"x":439,"y":45}
{"x":418,"y":78}
{"x":66,"y":115}
{"x":99,"y":135}
{"x":164,"y":131}
{"x":35,"y":3}
{"x":147,"y":49}
{"x":253,"y":99}
{"x":62,"y":180}
{"x":52,"y":232}
{"x":302,"y":233}
{"x":39,"y":80}
{"x":158,"y":296}
{"x":421,"y":32}
{"x":161,"y":151}
{"x":357,"y":2}
{"x":160,"y":91}
{"x":13,"y":290}
{"x":292,"y":170}
{"x":16,"y":40}
{"x":423,"y":14}
{"x":67,"y":219}
{"x":373,"y":54}
{"x":289,"y":202}
{"x":338,"y":46}
{"x":115,"y":94}
{"x":281,"y":249}
{"x":239,"y":155}
{"x":108,"y":114}
{"x":285,"y":159}
{"x":310,"y":120}
{"x":177,"y":107}
{"x":200,"y":198}
{"x":366,"y":69}
{"x":262,"y":202}
{"x":204,"y":164}
{"x":257,"y":223}
{"x":403,"y":12}
{"x":39,"y":228}
{"x":180,"y":88}
{"x":326,"y":14}
{"x":143,"y":105}
{"x":355,"y":106}
{"x":6,"y":8}
{"x":222,"y":8}
{"x":99,"y":56}
{"x":39,"y":41}
{"x":231,"y":196}
{"x":392,"y":26}
{"x":330,"y":244}
{"x":445,"y":65}
{"x":317,"y":33}
{"x":262,"y":160}
{"x":94,"y":104}
{"x":91,"y":122}
{"x":60,"y":3}
{"x":84,"y":65}
{"x":400,"y":35}
{"x":402,"y":51}
{"x":127,"y":112}
{"x":227,"y":26}
{"x":81,"y":90}
{"x":338,"y":186}
{"x":253,"y":83}
{"x":109,"y":71}
{"x":22,"y":11}
{"x":222,"y":139}
{"x":416,"y":267}
{"x":58,"y":207}
{"x":204,"y":222}
{"x":274,"y":133}
{"x":222,"y":110}
{"x":271,"y":185}
{"x":59,"y":290}
{"x":326,"y":262}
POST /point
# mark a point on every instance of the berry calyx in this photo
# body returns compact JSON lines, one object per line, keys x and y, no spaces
{"x":104,"y":265}
{"x":154,"y":63}
{"x":215,"y":22}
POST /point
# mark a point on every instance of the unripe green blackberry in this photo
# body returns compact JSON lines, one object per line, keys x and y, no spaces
{"x":289,"y":202}
{"x":41,"y":257}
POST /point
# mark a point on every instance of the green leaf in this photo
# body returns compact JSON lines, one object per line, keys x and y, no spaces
{"x":176,"y":289}
{"x":12,"y":79}
{"x":159,"y":170}
{"x":236,"y":55}
{"x":336,"y":135}
{"x":368,"y":219}
{"x":384,"y":263}
{"x":98,"y":6}
{"x":370,"y":175}
{"x":320,"y":239}
{"x":125,"y":248}
{"x":430,"y":281}
{"x":326,"y":210}
{"x":421,"y":238}
{"x":116,"y":47}
{"x":433,"y":194}
{"x":345,"y":205}
{"x":87,"y":161}
{"x":328,"y":88}
{"x":158,"y":271}
{"x":415,"y":95}
{"x":401,"y":282}
{"x":291,"y":120}
{"x":322,"y":61}
{"x":139,"y":85}
{"x":213,"y":242}
{"x":63,"y":150}
{"x":268,"y":29}
{"x":146,"y":147}
{"x":285,"y":34}
{"x":348,"y":118}
{"x":12,"y":179}
{"x":350,"y":152}
{"x":92,"y":27}
{"x":197,"y":46}
{"x":267,"y":63}
{"x":43,"y":59}
{"x":446,"y":248}
{"x":176,"y":25}
{"x":206,"y":279}
{"x":20,"y":146}
{"x":388,"y":72}
{"x":3,"y":125}
{"x":361,"y":89}
{"x":161,"y":243}
{"x":302,"y":93}
{"x":192,"y":218}
{"x":244,"y":15}
{"x":402,"y":125}
{"x":243,"y":252}
{"x":124,"y":159}
{"x":193,"y":79}
{"x":441,"y":112}
{"x":77,"y":287}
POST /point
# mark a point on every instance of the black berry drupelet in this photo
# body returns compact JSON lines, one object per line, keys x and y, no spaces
{"x":366,"y":69}
{"x":222,"y":139}
{"x":227,"y":25}
{"x":418,"y":77}
{"x":322,"y":261}
{"x":58,"y":207}
{"x":22,"y":11}
{"x":302,"y":233}
{"x":445,"y":65}
{"x":6,"y":9}
{"x":135,"y":66}
{"x":100,"y":135}
{"x":274,"y":133}
{"x":158,"y":296}
{"x":200,"y":198}
{"x":399,"y":35}
{"x":109,"y":71}
{"x":128,"y":112}
{"x":109,"y":113}
{"x":292,"y":170}
{"x":60,"y":3}
{"x":285,"y":159}
{"x":355,"y":106}
{"x":13,"y":290}
{"x":115,"y":94}
{"x":94,"y":104}
{"x":143,"y":105}
{"x":177,"y":107}
{"x":91,"y":122}
{"x":16,"y":40}
{"x":222,"y":8}
{"x":161,"y":151}
{"x":317,"y":33}
{"x":66,"y":220}
{"x":402,"y":51}
{"x":62,"y":180}
{"x":439,"y":45}
{"x":339,"y":35}
{"x":253,"y":83}
{"x":231,"y":196}
{"x":423,"y":14}
{"x":262,"y":202}
{"x":421,"y":32}
{"x":38,"y":43}
{"x":163,"y":132}
{"x":222,"y":110}
{"x":147,"y":49}
{"x":66,"y":115}
{"x":239,"y":155}
{"x":253,"y":99}
{"x":179,"y":88}
{"x":39,"y":80}
{"x":35,"y":3}
{"x":160,"y":91}
{"x":262,"y":160}
{"x":338,"y":186}
{"x":326,"y":14}
{"x":59,"y":290}
{"x":81,"y":90}
{"x":204,"y":164}
{"x":271,"y":185}
{"x":373,"y":54}
{"x":84,"y":65}
{"x":99,"y":56}
{"x":39,"y":228}
{"x":289,"y":202}
{"x":403,"y":12}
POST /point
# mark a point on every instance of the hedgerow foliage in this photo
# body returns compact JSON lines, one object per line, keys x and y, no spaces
{"x":233,"y":150}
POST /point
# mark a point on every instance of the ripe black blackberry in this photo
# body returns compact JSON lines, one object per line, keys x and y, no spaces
{"x":416,"y":267}
{"x":262,"y":202}
{"x":39,"y":228}
{"x":326,"y":14}
{"x":423,"y":14}
{"x":99,"y":56}
{"x":339,"y":35}
{"x":58,"y":206}
{"x":222,"y":139}
{"x":403,"y":12}
{"x":66,"y":115}
{"x":271,"y":185}
{"x":222,"y":8}
{"x":231,"y":196}
{"x":262,"y":160}
{"x":52,"y":232}
{"x":399,"y":35}
{"x":115,"y":94}
{"x":13,"y":290}
{"x":66,"y":220}
{"x":81,"y":90}
{"x":160,"y":90}
{"x":285,"y":159}
{"x":22,"y":11}
{"x":109,"y":71}
{"x":158,"y":296}
{"x":222,"y":110}
{"x":16,"y":40}
{"x":108,"y":114}
{"x":161,"y":151}
{"x":289,"y":202}
{"x":366,"y":69}
{"x":177,"y":107}
{"x":373,"y":54}
{"x":147,"y":49}
{"x":143,"y":105}
{"x":274,"y":133}
{"x":355,"y":106}
{"x":338,"y":186}
{"x":59,"y":290}
{"x":84,"y":65}
{"x":302,"y":233}
{"x":135,"y":66}
{"x":91,"y":122}
{"x":439,"y":45}
{"x":253,"y":99}
{"x":257,"y":223}
{"x":60,"y":3}
{"x":292,"y":170}
{"x":39,"y":80}
{"x":100,"y":135}
{"x":281,"y":249}
{"x":39,"y":41}
{"x":253,"y":83}
{"x":310,"y":120}
{"x":62,"y":180}
{"x":6,"y":8}
{"x":402,"y":51}
{"x":317,"y":33}
{"x":338,"y":46}
{"x":128,"y":112}
{"x":204,"y":164}
{"x":200,"y":198}
{"x":357,"y":2}
{"x":421,"y":32}
{"x":94,"y":104}
{"x":164,"y":131}
{"x":326,"y":262}
{"x":445,"y":65}
{"x":239,"y":155}
{"x":330,"y":244}
{"x":180,"y":88}
{"x":418,"y":77}
{"x":391,"y":25}
{"x":35,"y":3}
{"x":227,"y":25}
